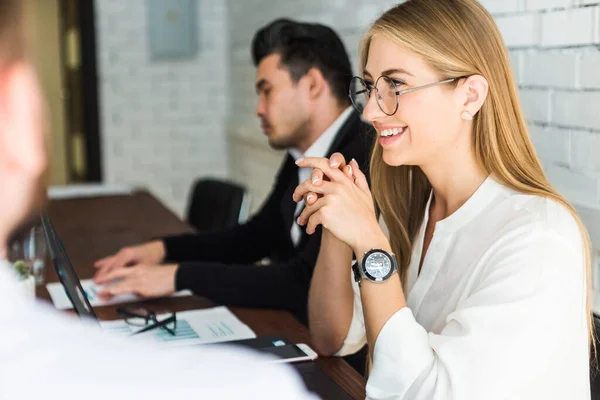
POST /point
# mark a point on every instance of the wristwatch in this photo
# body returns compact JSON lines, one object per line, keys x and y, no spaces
{"x":376,"y":265}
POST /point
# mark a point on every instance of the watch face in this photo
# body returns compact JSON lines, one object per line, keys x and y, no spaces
{"x":378,"y":265}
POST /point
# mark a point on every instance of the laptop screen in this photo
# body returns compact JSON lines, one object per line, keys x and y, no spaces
{"x":65,"y":271}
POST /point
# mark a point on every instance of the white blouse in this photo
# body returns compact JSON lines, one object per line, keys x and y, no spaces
{"x":497,"y":312}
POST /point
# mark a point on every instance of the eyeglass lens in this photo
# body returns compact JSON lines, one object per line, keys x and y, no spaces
{"x":385,"y":94}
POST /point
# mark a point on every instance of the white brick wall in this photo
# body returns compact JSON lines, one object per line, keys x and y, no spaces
{"x":536,"y":104}
{"x":578,"y":108}
{"x":569,"y":27}
{"x":162,"y":122}
{"x":503,"y":7}
{"x":526,"y":35}
{"x":553,"y":145}
{"x":554,"y":46}
{"x":588,"y":74}
{"x":550,"y":69}
{"x":545,"y":4}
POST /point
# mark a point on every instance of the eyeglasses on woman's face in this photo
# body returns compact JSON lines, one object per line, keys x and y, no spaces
{"x":386,"y":92}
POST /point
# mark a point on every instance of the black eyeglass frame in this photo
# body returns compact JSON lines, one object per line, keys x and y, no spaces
{"x":398,"y":93}
{"x":148,"y":317}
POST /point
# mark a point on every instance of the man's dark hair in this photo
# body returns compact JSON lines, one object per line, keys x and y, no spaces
{"x":303,"y":46}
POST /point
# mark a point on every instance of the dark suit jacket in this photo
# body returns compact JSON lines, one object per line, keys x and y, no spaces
{"x":221,"y":265}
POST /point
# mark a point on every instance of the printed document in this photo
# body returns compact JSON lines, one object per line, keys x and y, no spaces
{"x":211,"y":325}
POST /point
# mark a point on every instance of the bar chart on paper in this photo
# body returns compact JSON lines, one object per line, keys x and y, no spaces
{"x":211,"y":325}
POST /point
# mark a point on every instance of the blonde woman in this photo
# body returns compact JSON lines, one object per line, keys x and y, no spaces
{"x":481,"y":289}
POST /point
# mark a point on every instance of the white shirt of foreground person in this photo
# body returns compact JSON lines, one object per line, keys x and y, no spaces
{"x":44,"y":355}
{"x":497,"y":312}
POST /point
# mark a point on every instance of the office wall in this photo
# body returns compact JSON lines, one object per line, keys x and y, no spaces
{"x":554,"y":48}
{"x":162,"y":122}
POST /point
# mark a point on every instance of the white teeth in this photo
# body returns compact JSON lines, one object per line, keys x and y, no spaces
{"x":392,"y":132}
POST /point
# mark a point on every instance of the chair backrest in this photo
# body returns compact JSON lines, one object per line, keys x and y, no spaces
{"x":217,"y":204}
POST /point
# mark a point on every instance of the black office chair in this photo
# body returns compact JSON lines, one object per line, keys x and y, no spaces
{"x":217,"y":204}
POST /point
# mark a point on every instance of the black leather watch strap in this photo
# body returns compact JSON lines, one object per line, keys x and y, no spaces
{"x":357,"y":274}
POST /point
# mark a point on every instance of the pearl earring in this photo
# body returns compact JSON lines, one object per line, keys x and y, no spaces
{"x":466,"y":116}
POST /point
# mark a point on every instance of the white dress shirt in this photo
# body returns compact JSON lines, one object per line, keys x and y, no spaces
{"x":318,"y":149}
{"x":497,"y":312}
{"x":47,"y":355}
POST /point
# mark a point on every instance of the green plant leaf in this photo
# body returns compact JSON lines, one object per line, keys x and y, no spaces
{"x":21,"y":270}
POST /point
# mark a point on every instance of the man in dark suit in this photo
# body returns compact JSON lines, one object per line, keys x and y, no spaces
{"x":302,"y":80}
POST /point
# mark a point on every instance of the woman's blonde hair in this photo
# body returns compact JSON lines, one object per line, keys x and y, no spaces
{"x":459,"y":38}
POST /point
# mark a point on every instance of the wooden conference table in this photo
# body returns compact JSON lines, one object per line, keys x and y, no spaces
{"x":91,"y":228}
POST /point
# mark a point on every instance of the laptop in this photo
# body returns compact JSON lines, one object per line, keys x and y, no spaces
{"x":315,"y":379}
{"x":66,"y":273}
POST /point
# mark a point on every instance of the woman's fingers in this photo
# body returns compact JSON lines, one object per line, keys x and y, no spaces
{"x":310,"y":198}
{"x":314,"y":221}
{"x":348,"y":172}
{"x":337,"y":160}
{"x":312,"y":216}
{"x":334,"y":174}
{"x":316,"y":176}
{"x":309,"y":210}
{"x":359,"y":178}
{"x":306,"y":187}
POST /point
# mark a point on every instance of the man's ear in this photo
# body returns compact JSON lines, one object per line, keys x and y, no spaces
{"x":21,"y":120}
{"x":473,"y":92}
{"x":316,"y":82}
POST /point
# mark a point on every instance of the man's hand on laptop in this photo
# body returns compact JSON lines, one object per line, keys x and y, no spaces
{"x":148,"y":253}
{"x":143,"y":279}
